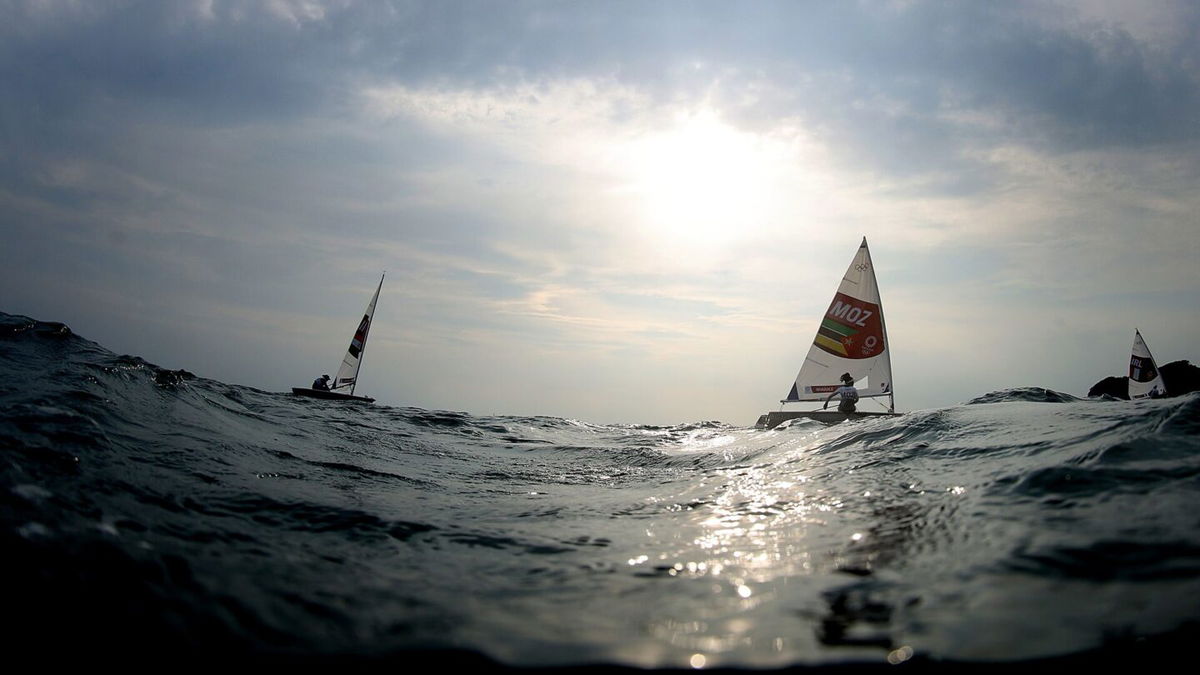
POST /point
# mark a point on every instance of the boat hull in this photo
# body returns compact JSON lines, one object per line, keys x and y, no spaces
{"x":774,"y":419}
{"x":329,"y":395}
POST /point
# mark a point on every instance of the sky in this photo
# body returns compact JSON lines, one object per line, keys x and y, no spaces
{"x":615,"y":212}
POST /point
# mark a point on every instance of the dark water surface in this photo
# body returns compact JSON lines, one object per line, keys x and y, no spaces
{"x":147,"y":514}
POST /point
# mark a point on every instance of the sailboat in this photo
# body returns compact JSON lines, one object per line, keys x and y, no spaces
{"x":851,"y":339}
{"x":1144,"y":379}
{"x":347,"y":375}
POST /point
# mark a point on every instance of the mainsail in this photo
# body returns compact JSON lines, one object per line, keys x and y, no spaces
{"x":347,"y":374}
{"x":1144,"y":379}
{"x":852,"y":339}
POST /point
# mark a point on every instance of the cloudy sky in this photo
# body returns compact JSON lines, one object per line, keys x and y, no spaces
{"x":609,"y":211}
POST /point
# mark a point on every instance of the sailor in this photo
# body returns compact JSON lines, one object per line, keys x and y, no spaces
{"x":321,"y":383}
{"x":848,"y":393}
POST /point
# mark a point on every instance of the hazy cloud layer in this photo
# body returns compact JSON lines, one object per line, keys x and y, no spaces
{"x":620,"y":211}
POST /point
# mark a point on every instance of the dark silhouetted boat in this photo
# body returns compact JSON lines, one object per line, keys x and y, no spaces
{"x":347,"y":375}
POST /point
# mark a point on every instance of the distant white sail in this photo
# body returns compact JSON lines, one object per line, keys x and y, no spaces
{"x":852,"y":339}
{"x":1144,"y":379}
{"x":347,"y":374}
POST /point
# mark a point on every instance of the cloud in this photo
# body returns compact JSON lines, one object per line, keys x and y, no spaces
{"x":631,"y":187}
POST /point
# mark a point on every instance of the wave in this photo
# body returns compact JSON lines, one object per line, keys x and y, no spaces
{"x":212,"y":518}
{"x":1033,"y":394}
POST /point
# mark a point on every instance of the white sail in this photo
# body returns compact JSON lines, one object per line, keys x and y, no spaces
{"x":347,"y":374}
{"x":852,"y":339}
{"x":1144,"y":379}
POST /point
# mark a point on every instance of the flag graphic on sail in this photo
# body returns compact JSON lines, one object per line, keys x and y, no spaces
{"x":360,"y":336}
{"x":347,"y":374}
{"x":1144,"y":379}
{"x":850,"y":339}
{"x":851,"y":329}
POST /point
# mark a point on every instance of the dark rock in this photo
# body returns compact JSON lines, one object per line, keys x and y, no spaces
{"x":1180,"y":377}
{"x":1116,"y":387}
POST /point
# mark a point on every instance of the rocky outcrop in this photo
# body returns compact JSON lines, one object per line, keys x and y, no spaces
{"x":1180,"y":377}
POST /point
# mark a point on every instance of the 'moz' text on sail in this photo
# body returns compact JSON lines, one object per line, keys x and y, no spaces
{"x":849,"y":313}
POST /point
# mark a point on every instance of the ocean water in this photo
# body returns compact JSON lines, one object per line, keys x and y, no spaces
{"x":150,"y":516}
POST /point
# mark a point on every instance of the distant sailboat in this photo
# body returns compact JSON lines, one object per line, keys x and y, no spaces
{"x":347,"y":374}
{"x":1144,"y":379}
{"x":852,"y":339}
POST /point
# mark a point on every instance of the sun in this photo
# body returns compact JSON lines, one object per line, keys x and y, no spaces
{"x":702,"y":183}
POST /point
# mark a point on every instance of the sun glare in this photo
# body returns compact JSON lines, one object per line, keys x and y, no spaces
{"x":703,"y":183}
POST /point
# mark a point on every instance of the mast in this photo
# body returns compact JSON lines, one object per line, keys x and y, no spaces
{"x":887,"y":344}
